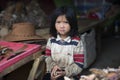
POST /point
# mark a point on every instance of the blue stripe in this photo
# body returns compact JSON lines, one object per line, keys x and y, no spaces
{"x":52,"y":40}
{"x":80,"y":65}
{"x":64,"y":43}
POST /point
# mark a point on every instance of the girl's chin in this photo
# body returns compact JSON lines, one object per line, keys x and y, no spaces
{"x":62,"y":34}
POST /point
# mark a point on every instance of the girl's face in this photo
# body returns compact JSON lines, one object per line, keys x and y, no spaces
{"x":62,"y":26}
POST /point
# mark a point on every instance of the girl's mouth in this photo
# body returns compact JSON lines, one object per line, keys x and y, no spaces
{"x":62,"y":30}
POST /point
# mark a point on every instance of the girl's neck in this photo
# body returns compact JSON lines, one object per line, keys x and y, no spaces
{"x":63,"y":36}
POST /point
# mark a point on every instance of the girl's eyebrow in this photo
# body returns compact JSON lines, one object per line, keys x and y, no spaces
{"x":58,"y":21}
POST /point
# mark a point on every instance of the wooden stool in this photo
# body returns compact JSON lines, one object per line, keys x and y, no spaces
{"x":38,"y":69}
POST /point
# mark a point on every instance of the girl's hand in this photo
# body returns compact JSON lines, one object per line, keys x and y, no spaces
{"x":61,"y":73}
{"x":55,"y":68}
{"x":57,"y":72}
{"x":53,"y":72}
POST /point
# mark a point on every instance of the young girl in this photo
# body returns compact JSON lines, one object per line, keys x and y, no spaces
{"x":63,"y":50}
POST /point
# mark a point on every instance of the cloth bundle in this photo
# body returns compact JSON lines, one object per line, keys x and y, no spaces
{"x":102,"y":74}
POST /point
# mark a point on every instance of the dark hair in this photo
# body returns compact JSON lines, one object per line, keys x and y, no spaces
{"x":70,"y":16}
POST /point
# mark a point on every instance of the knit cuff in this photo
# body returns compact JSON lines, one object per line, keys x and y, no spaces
{"x":72,"y":70}
{"x":49,"y":64}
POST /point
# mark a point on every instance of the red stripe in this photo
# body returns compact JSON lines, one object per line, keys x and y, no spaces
{"x":76,"y":38}
{"x":48,"y":52}
{"x":81,"y":60}
{"x":78,"y":55}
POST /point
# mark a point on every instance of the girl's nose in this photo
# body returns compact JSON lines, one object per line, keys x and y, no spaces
{"x":61,"y":25}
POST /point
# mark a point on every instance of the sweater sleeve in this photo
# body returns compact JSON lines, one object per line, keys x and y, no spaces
{"x":49,"y":64}
{"x":77,"y":66}
{"x":78,"y":55}
{"x":49,"y":61}
{"x":73,"y":70}
{"x":48,"y":48}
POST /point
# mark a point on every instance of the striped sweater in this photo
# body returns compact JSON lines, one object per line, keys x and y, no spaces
{"x":67,"y":53}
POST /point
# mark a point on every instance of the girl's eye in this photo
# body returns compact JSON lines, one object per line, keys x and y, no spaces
{"x":57,"y":21}
{"x":66,"y":22}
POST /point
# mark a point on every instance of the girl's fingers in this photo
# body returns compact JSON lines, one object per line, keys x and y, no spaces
{"x":57,"y":76}
{"x":57,"y":72}
{"x":55,"y":68}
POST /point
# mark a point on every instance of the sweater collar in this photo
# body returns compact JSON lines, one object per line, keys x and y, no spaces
{"x":67,"y":39}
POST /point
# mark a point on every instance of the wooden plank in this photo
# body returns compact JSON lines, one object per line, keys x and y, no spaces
{"x":19,"y":64}
{"x":35,"y":68}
